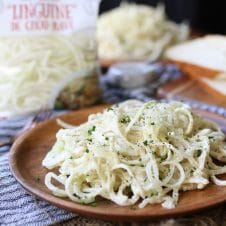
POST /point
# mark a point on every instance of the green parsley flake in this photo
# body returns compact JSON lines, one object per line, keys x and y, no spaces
{"x":93,"y":204}
{"x":199,"y":152}
{"x":87,"y":150}
{"x":163,"y":157}
{"x":145,"y":142}
{"x":153,"y":193}
{"x":91,"y":130}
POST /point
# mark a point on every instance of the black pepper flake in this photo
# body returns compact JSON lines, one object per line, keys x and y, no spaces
{"x":75,"y":195}
{"x":152,"y":123}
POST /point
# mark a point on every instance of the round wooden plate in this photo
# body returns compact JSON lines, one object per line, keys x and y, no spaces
{"x":29,"y":150}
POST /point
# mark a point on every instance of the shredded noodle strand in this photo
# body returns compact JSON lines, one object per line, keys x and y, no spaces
{"x":136,"y":152}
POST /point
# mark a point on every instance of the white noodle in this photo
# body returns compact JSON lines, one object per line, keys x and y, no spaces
{"x":137,"y":32}
{"x":34,"y":70}
{"x":135,"y":152}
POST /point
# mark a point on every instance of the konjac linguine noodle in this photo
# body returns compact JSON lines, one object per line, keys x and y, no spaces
{"x":136,"y":152}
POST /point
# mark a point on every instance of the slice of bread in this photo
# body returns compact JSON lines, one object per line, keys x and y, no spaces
{"x":216,"y":86}
{"x":204,"y":60}
{"x":204,"y":57}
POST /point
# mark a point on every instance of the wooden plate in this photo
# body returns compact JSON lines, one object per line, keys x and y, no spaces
{"x":29,"y":150}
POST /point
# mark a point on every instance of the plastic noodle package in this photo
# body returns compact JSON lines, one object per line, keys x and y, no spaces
{"x":48,"y":56}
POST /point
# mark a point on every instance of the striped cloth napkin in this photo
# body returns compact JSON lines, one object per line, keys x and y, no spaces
{"x":17,"y":207}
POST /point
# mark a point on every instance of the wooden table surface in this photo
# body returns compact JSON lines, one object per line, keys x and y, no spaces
{"x":187,"y":89}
